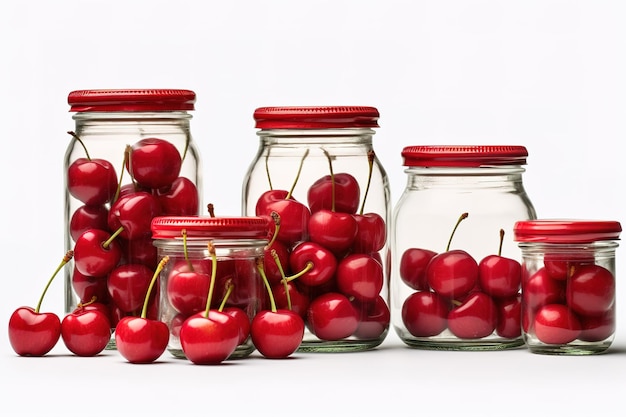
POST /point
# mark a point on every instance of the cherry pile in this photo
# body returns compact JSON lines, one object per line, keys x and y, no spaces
{"x":455,"y":292}
{"x":323,"y":259}
{"x":114,"y":257}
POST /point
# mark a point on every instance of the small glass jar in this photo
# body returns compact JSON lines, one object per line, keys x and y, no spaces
{"x":455,"y":280}
{"x":185,"y":281}
{"x":131,"y":157}
{"x":568,"y":285}
{"x":317,"y":172}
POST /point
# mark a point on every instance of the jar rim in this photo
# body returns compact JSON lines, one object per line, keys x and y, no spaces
{"x":463,"y":155}
{"x":131,"y":100}
{"x":315,"y":117}
{"x":566,"y":230}
{"x":205,"y":227}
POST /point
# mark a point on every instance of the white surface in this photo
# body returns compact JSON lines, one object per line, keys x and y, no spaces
{"x":545,"y":74}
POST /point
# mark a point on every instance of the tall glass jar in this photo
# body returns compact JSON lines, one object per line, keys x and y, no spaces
{"x":455,"y":280}
{"x":185,"y":281}
{"x":131,"y":157}
{"x":568,"y":284}
{"x":317,"y":174}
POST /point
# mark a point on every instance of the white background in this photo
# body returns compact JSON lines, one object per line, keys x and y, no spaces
{"x":549,"y":74}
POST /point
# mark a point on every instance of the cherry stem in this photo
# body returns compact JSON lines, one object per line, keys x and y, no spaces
{"x":75,"y":136}
{"x":213,"y":275}
{"x":501,"y":240}
{"x":293,"y":186}
{"x":119,"y":182}
{"x":211,"y":209}
{"x":309,"y":265}
{"x":332,"y":180}
{"x":259,"y":267}
{"x":267,"y":169}
{"x":229,"y":290}
{"x":282,"y":274}
{"x":107,"y":242}
{"x":159,"y":268}
{"x":461,"y":218}
{"x":93,"y":300}
{"x":66,"y":258}
{"x":185,"y":250}
{"x":370,"y":159}
{"x":276,"y":218}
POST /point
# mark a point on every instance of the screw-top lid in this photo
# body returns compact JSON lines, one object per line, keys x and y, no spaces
{"x":463,"y":155}
{"x":316,"y":117}
{"x":566,"y":231}
{"x":204,"y":227}
{"x":138,"y":100}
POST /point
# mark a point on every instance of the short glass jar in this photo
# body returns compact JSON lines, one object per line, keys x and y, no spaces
{"x":185,"y":281}
{"x":131,"y":157}
{"x":568,"y":285}
{"x":316,"y":170}
{"x":455,"y":278}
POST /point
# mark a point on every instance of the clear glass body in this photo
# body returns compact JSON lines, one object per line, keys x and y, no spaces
{"x":568,"y":303}
{"x":424,"y":218}
{"x":289,"y":156}
{"x":236,"y":265}
{"x":106,"y":137}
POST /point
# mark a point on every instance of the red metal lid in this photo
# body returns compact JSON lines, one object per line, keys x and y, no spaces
{"x":463,"y":155}
{"x":315,"y":117}
{"x":138,"y":100}
{"x":204,"y":227}
{"x":566,"y":231}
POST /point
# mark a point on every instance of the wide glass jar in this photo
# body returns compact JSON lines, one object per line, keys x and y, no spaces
{"x":317,"y":174}
{"x":455,"y":280}
{"x":568,"y":285}
{"x":185,"y":281}
{"x":130,"y":157}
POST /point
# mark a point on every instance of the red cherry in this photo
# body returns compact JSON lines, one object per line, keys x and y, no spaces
{"x":347,"y":194}
{"x":134,"y":212}
{"x":141,"y":340}
{"x":277,"y":334}
{"x":598,"y":328}
{"x":331,"y":316}
{"x":540,"y":290}
{"x":92,"y":181}
{"x":476,"y":317}
{"x":187,"y":291}
{"x":209,"y":338}
{"x":96,"y":253}
{"x":180,"y":199}
{"x":424,"y":314}
{"x":86,"y":332}
{"x":269,"y":197}
{"x":413,"y":267}
{"x":298,"y":301}
{"x":556,"y":324}
{"x":499,"y":276}
{"x":509,"y":317}
{"x":140,"y":251}
{"x":294,"y":219}
{"x":128,"y":285}
{"x":87,"y":287}
{"x":374,"y":318}
{"x":322,"y":263}
{"x":332,"y":229}
{"x":590,"y":291}
{"x":243,"y":321}
{"x":371,"y":233}
{"x":560,"y":267}
{"x":270,"y":264}
{"x":154,"y":163}
{"x":360,"y":276}
{"x":88,"y":217}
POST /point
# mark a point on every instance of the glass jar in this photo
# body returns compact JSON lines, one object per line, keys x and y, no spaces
{"x":130,"y":158}
{"x":568,"y":285}
{"x":185,"y":281}
{"x":455,"y":280}
{"x":317,"y":173}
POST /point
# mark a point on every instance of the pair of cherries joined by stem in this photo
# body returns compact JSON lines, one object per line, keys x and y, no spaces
{"x":454,"y":292}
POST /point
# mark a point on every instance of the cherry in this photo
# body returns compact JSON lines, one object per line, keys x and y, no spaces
{"x":86,"y":331}
{"x":499,"y":276}
{"x":180,"y":199}
{"x":87,"y":287}
{"x":333,"y":230}
{"x":373,"y":318}
{"x":597,"y":328}
{"x":476,"y":317}
{"x":154,"y":163}
{"x":92,"y":181}
{"x":127,"y":285}
{"x":288,"y":297}
{"x":331,"y":316}
{"x":270,"y":264}
{"x":88,"y":217}
{"x":560,"y":267}
{"x":140,"y":339}
{"x":140,"y":251}
{"x":243,"y":322}
{"x":345,"y":188}
{"x":32,"y":333}
{"x":540,"y":289}
{"x":556,"y":324}
{"x":424,"y":314}
{"x":413,"y":267}
{"x":452,"y":273}
{"x":317,"y":265}
{"x":509,"y":317}
{"x":590,"y":291}
{"x":96,"y":252}
{"x":371,"y":233}
{"x":360,"y":276}
{"x":134,"y":213}
{"x":268,"y":197}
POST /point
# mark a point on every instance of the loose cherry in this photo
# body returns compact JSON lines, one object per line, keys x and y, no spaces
{"x":413,"y":267}
{"x":556,"y":324}
{"x":474,"y":318}
{"x":96,"y":252}
{"x":154,"y":163}
{"x":425,"y":313}
{"x":499,"y":276}
{"x":86,"y":331}
{"x":331,"y":317}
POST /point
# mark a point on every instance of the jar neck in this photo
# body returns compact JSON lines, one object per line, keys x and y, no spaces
{"x":502,"y":177}
{"x":130,"y":117}
{"x":602,"y":249}
{"x":296,"y":137}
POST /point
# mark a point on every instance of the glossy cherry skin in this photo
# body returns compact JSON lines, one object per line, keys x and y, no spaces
{"x":499,"y":276}
{"x":269,"y":197}
{"x":475,"y":318}
{"x":154,"y":163}
{"x":243,"y":321}
{"x":88,"y":217}
{"x":332,"y":229}
{"x":509,"y":317}
{"x":374,"y":318}
{"x":556,"y":324}
{"x":360,"y":276}
{"x":128,"y":285}
{"x":324,"y":263}
{"x":140,"y":251}
{"x":540,"y":289}
{"x":86,"y":332}
{"x":269,"y":263}
{"x":209,"y":340}
{"x":87,"y":287}
{"x":294,"y":220}
{"x":371,"y":234}
{"x":590,"y":291}
{"x":134,"y":212}
{"x":560,"y":268}
{"x":597,"y":328}
{"x":32,"y":333}
{"x":424,"y":314}
{"x":299,"y":301}
{"x":180,"y":199}
{"x":187,"y":292}
{"x":91,"y":257}
{"x":347,"y":194}
{"x":93,"y":182}
{"x":278,"y":334}
{"x":452,"y":274}
{"x":141,"y":340}
{"x":331,"y":316}
{"x":413,"y":267}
